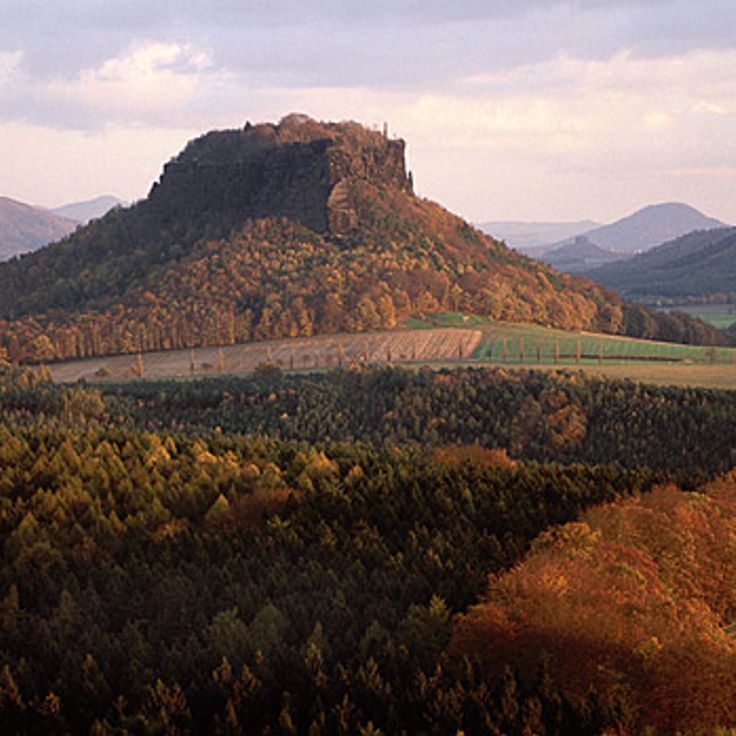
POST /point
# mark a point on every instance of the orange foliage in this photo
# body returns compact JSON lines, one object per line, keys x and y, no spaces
{"x":247,"y":510}
{"x":453,"y":455}
{"x":273,"y":278}
{"x":628,"y":602}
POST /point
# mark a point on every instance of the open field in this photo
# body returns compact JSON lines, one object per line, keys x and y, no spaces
{"x":721,"y":316}
{"x":526,"y":343}
{"x":448,"y":340}
{"x":323,"y":351}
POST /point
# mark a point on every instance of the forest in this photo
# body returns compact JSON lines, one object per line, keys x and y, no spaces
{"x":563,"y":416}
{"x":372,"y":551}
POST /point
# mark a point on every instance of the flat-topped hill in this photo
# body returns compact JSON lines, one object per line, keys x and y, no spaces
{"x":286,"y":230}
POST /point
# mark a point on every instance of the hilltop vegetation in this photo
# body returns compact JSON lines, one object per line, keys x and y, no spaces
{"x":275,"y":231}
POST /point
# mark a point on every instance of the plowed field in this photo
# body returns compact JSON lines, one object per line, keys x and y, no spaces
{"x":323,"y":351}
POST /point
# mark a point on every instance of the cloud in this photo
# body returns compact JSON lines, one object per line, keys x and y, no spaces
{"x":620,"y":100}
{"x":407,"y":44}
{"x":570,"y":135}
{"x":9,"y":65}
{"x":569,"y":106}
{"x":146,"y":82}
{"x":549,"y":137}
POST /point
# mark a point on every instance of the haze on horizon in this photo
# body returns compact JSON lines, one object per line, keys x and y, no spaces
{"x":528,"y":110}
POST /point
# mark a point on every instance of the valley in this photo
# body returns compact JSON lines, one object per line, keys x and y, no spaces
{"x":720,"y":315}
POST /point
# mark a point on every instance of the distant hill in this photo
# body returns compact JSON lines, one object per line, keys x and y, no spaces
{"x":90,"y":209}
{"x":579,"y":256}
{"x":286,"y":230}
{"x":24,"y":228}
{"x":649,"y":227}
{"x":528,"y":235}
{"x":702,"y":263}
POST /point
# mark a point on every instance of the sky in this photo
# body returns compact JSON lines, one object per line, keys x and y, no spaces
{"x":512,"y":110}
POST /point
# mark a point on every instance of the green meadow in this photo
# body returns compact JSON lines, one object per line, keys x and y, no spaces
{"x":721,"y":316}
{"x":527,"y":344}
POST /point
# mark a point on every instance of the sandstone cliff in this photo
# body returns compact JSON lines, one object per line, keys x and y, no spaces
{"x":299,"y":169}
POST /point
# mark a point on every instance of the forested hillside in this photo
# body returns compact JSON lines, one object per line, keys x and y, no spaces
{"x":697,"y":265}
{"x":285,"y":230}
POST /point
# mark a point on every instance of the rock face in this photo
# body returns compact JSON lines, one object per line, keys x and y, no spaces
{"x":299,"y":169}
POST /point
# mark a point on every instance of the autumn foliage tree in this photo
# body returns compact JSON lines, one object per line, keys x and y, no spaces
{"x":625,"y":608}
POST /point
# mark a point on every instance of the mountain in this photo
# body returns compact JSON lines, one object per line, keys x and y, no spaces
{"x":526,"y":236}
{"x":88,"y":210}
{"x":579,"y":256}
{"x":649,"y":227}
{"x":279,"y":230}
{"x":702,"y":263}
{"x":24,"y":228}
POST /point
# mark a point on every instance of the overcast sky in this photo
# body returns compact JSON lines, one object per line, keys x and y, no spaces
{"x":513,"y":109}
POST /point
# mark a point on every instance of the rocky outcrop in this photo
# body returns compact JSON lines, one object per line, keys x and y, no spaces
{"x":341,"y":215}
{"x":299,"y":169}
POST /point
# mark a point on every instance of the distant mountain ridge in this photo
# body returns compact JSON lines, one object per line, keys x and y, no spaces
{"x":25,"y":228}
{"x":642,"y":230}
{"x":527,"y":235}
{"x":649,"y":227}
{"x":285,"y":230}
{"x":698,"y":264}
{"x":579,"y":256}
{"x":89,"y":209}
